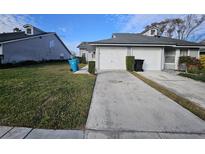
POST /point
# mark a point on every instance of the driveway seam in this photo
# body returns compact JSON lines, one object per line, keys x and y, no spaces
{"x":6,"y":132}
{"x":186,"y":103}
{"x":28,"y":133}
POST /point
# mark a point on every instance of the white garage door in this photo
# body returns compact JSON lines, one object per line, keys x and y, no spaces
{"x":151,"y":55}
{"x":112,"y":58}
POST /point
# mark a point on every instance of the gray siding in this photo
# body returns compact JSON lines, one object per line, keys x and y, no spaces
{"x":36,"y":49}
{"x":1,"y":51}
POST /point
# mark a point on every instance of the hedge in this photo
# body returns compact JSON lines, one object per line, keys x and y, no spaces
{"x":202,"y":60}
{"x":91,"y":67}
{"x":130,"y":62}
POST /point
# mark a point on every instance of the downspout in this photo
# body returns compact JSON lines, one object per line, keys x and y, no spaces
{"x":177,"y":55}
{"x":162,"y":58}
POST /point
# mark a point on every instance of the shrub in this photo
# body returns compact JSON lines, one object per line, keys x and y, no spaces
{"x":130,"y":62}
{"x":193,"y":69}
{"x":189,"y":61}
{"x":193,"y":64}
{"x":202,"y":60}
{"x":91,"y":67}
{"x":185,"y":60}
{"x":83,"y":59}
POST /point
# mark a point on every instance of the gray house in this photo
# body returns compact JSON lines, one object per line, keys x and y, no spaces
{"x":202,"y":51}
{"x":32,"y":44}
{"x":87,"y":50}
{"x":158,"y":52}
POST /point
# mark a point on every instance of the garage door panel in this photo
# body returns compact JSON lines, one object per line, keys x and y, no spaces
{"x":151,"y":56}
{"x":112,"y":58}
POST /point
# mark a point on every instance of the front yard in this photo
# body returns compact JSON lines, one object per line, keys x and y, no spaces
{"x":44,"y":96}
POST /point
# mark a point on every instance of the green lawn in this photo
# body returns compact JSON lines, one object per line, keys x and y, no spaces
{"x":198,"y":77}
{"x":44,"y":96}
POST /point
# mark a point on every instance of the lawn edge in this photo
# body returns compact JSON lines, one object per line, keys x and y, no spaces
{"x":90,"y":101}
{"x":190,"y":105}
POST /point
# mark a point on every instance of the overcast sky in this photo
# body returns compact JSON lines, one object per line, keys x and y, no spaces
{"x":74,"y":29}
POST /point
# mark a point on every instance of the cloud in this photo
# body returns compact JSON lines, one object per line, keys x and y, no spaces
{"x":62,"y":29}
{"x":72,"y":45}
{"x":10,"y":21}
{"x":137,"y":22}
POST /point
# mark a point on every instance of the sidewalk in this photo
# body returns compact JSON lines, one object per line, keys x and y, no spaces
{"x":29,"y":133}
{"x":83,"y":70}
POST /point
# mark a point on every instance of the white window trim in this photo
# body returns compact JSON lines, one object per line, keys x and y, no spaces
{"x":189,"y":52}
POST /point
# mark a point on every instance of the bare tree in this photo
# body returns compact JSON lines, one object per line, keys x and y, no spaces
{"x":16,"y":29}
{"x":181,"y":28}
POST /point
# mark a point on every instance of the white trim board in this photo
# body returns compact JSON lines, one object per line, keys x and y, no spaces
{"x":148,"y":45}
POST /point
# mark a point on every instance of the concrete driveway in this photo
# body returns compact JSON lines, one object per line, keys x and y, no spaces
{"x":185,"y":87}
{"x":125,"y":107}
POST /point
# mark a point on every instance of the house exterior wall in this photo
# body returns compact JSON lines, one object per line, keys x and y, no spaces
{"x":115,"y":57}
{"x":152,"y":57}
{"x":190,"y":52}
{"x":37,"y":49}
{"x":111,"y":58}
{"x":1,"y":53}
{"x":149,"y":33}
{"x":88,"y":55}
{"x":1,"y":49}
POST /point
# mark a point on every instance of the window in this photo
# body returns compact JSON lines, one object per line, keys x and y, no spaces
{"x":169,"y":56}
{"x":183,"y":52}
{"x":51,"y":43}
{"x":194,"y":53}
{"x":28,"y":31}
{"x":62,"y":56}
{"x":152,"y":32}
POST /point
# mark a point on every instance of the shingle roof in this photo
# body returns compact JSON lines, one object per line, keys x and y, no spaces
{"x":86,"y":46}
{"x":134,"y":38}
{"x":16,"y":35}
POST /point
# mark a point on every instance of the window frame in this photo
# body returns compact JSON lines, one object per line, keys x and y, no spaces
{"x":51,"y":44}
{"x":173,"y":54}
{"x":152,"y":31}
{"x":183,"y":50}
{"x":29,"y":31}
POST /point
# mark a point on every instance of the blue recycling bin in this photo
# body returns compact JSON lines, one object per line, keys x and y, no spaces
{"x":73,"y":64}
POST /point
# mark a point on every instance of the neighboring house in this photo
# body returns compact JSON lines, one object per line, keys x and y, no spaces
{"x":87,"y":50}
{"x":32,"y":44}
{"x":202,"y":51}
{"x":158,"y":52}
